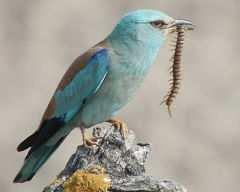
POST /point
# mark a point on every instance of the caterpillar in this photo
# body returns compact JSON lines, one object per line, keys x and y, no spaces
{"x":175,"y":69}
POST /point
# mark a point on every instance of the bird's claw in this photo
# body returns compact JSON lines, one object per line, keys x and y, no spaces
{"x":119,"y":125}
{"x":89,"y":142}
{"x":94,"y":141}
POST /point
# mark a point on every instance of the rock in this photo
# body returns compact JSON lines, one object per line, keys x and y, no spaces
{"x":123,"y":161}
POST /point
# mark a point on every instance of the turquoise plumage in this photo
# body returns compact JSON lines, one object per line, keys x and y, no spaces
{"x":98,"y":84}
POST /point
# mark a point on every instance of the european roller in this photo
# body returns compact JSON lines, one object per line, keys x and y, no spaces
{"x":98,"y":84}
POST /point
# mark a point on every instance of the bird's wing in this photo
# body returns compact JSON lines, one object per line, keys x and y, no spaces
{"x":83,"y":78}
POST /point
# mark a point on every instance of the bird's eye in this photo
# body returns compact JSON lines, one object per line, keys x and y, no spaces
{"x":158,"y":24}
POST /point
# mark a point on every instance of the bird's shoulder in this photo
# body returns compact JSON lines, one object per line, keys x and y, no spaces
{"x":80,"y":63}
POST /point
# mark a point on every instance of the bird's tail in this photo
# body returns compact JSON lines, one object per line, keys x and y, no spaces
{"x":34,"y":160}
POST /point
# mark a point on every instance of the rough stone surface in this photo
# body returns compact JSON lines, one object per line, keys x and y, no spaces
{"x":123,"y":160}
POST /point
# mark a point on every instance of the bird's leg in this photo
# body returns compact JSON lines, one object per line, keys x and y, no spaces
{"x":88,"y":142}
{"x":120,"y":125}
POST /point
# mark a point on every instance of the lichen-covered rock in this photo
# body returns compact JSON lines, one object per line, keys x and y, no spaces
{"x":91,"y":180}
{"x":123,"y":161}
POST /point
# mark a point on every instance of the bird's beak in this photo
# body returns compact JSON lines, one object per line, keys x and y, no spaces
{"x":187,"y":25}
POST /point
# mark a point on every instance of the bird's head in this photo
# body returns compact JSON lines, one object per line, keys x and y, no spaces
{"x":148,"y":27}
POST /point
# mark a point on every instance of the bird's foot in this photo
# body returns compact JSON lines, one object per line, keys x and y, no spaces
{"x":89,"y":142}
{"x":94,"y":141}
{"x":120,"y":125}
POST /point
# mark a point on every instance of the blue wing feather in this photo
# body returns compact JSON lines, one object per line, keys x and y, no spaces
{"x":85,"y":83}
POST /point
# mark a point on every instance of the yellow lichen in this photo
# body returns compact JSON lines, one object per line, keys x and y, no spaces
{"x":92,"y":180}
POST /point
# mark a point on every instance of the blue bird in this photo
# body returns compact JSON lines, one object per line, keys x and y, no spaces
{"x":98,"y":84}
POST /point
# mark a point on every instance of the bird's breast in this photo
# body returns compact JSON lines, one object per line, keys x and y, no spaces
{"x":119,"y":86}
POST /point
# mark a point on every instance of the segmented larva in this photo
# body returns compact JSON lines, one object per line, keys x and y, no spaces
{"x":175,"y":80}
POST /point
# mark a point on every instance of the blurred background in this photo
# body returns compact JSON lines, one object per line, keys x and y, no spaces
{"x":197,"y":147}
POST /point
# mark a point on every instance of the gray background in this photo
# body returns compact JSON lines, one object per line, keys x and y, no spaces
{"x":198,"y":147}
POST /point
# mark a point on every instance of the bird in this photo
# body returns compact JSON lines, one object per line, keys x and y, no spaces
{"x":98,"y":84}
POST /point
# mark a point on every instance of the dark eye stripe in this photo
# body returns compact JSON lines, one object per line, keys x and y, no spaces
{"x":158,"y":24}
